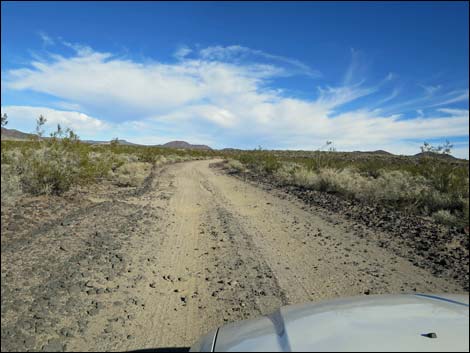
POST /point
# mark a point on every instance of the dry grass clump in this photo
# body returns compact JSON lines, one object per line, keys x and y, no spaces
{"x":391,"y":187}
{"x":175,"y":158}
{"x":235,"y":166}
{"x":444,"y":217}
{"x":395,"y":186}
{"x":131,"y":174}
{"x":285,"y":173}
{"x":161,"y":161}
{"x":11,"y":184}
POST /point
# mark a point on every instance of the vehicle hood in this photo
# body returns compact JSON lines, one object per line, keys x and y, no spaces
{"x":372,"y":323}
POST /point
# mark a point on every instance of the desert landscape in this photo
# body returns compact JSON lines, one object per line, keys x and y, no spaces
{"x":168,"y":244}
{"x":234,"y":176}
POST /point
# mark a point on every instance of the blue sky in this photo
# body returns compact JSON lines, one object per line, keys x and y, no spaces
{"x":367,"y":75}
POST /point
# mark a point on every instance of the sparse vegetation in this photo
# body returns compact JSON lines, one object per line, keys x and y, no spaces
{"x":444,"y":217}
{"x":131,"y":174}
{"x":443,"y":149}
{"x":55,"y":164}
{"x":425,"y":185}
{"x":235,"y":166}
{"x":4,"y":119}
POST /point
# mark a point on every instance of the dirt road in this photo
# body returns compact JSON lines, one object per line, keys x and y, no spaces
{"x":190,"y":251}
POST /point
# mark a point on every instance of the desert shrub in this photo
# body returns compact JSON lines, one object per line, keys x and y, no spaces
{"x":445,"y":217}
{"x":10,"y":184}
{"x":328,"y":180}
{"x":53,"y":165}
{"x":285,"y":173}
{"x":303,"y":177}
{"x":48,"y":171}
{"x":399,"y":188}
{"x":270,"y":165}
{"x":174,"y":158}
{"x":235,"y":166}
{"x":434,"y":200}
{"x":260,"y":162}
{"x":161,"y":160}
{"x":465,"y":212}
{"x":131,"y":174}
{"x":11,"y":156}
{"x":395,"y":187}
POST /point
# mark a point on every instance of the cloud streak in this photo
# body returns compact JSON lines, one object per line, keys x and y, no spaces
{"x":228,"y":95}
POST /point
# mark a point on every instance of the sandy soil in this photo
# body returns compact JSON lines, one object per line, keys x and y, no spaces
{"x":192,"y":249}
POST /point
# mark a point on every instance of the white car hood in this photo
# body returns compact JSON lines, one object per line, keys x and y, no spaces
{"x":372,"y":323}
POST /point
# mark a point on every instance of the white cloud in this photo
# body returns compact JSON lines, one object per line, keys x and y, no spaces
{"x":214,"y":95}
{"x":79,"y":122}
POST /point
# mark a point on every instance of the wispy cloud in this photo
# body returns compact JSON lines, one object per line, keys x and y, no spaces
{"x":454,"y":97}
{"x":237,"y":52}
{"x":46,"y":40}
{"x":182,"y":52}
{"x":430,"y":90}
{"x":226,"y":95}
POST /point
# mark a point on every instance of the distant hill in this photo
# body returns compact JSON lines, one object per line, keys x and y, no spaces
{"x":121,"y":142}
{"x":378,"y":152}
{"x":184,"y":144}
{"x":231,"y":150}
{"x":12,"y":134}
{"x":434,"y":155}
{"x":381,"y":152}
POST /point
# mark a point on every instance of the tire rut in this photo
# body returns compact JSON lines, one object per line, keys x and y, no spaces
{"x":191,"y":250}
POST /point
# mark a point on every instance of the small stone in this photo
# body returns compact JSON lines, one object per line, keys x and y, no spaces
{"x":93,"y":311}
{"x":65,"y":332}
{"x":54,"y":345}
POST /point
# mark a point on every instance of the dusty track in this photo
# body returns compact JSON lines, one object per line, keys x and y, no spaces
{"x":192,"y":250}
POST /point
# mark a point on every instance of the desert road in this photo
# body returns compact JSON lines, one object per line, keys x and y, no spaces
{"x":191,"y":250}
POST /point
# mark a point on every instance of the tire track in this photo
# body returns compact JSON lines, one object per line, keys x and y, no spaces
{"x":191,"y":250}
